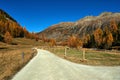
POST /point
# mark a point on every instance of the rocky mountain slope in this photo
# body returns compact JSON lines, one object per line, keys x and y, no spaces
{"x":86,"y":25}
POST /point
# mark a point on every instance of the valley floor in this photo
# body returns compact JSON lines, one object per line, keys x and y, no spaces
{"x":47,"y":66}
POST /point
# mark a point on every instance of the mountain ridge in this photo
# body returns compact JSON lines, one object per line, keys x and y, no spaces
{"x":88,"y":23}
{"x":6,"y":15}
{"x":10,"y":26}
{"x":90,"y":28}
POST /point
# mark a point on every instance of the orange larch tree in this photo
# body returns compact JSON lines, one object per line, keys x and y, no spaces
{"x":74,"y":42}
{"x":114,"y":29}
{"x":52,"y":42}
{"x":98,"y":36}
{"x":7,"y":37}
{"x":109,"y":39}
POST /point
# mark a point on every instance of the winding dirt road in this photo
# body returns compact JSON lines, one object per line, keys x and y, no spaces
{"x":47,"y":66}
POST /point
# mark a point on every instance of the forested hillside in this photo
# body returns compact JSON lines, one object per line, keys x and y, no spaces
{"x":101,"y":31}
{"x":10,"y":28}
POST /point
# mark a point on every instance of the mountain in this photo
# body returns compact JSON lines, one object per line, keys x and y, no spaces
{"x":87,"y":25}
{"x":83,"y":26}
{"x":4,"y":15}
{"x":10,"y":26}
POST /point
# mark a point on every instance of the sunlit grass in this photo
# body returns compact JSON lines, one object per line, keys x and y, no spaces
{"x":12,"y":61}
{"x":92,"y":57}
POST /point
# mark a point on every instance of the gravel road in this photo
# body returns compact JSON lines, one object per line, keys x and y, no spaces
{"x":47,"y":66}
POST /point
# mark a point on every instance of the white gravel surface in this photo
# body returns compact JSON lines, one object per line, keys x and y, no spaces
{"x":47,"y":66}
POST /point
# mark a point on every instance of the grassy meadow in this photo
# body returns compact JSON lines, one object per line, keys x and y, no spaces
{"x":92,"y":57}
{"x":12,"y":59}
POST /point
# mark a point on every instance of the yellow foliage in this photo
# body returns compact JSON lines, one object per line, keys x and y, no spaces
{"x":74,"y":42}
{"x":98,"y":36}
{"x":109,"y":39}
{"x":7,"y":37}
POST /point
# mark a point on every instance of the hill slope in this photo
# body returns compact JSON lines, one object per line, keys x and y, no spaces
{"x":10,"y":25}
{"x":85,"y":26}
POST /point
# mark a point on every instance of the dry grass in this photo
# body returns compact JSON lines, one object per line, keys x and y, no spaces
{"x":11,"y":62}
{"x":11,"y":59}
{"x":92,"y":57}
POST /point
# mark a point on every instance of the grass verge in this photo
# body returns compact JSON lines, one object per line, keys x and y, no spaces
{"x":12,"y":61}
{"x":11,"y":58}
{"x":92,"y":57}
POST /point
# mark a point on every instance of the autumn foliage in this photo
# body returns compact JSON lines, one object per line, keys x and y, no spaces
{"x":103,"y":38}
{"x":74,"y":42}
{"x":109,"y":39}
{"x":7,"y":37}
{"x":52,"y":42}
{"x":10,"y":27}
{"x":86,"y":40}
{"x":98,"y":33}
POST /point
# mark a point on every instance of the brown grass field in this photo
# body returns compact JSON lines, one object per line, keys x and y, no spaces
{"x":11,"y":60}
{"x":92,"y":57}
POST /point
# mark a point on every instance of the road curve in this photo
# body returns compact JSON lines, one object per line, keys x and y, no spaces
{"x":47,"y":66}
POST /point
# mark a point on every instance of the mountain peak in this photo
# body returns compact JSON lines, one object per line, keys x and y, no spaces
{"x":106,"y":14}
{"x":86,"y":25}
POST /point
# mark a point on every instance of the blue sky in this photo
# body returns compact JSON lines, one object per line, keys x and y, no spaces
{"x":37,"y":15}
